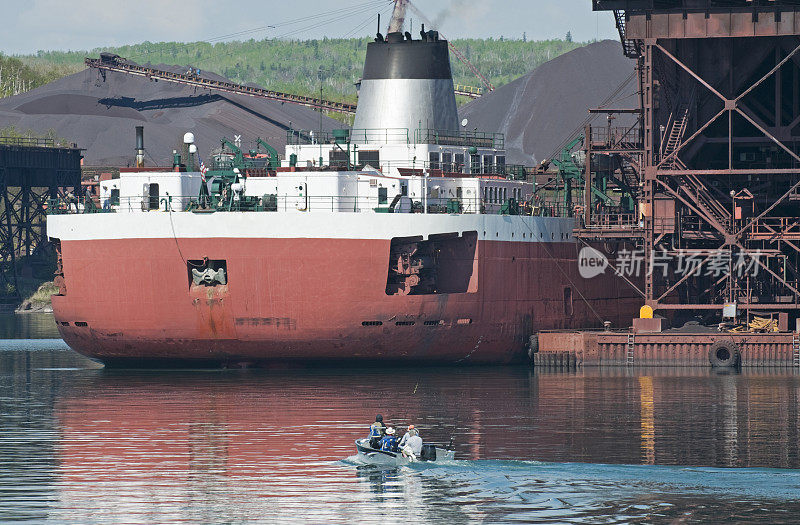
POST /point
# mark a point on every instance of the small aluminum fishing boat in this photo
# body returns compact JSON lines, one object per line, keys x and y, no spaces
{"x":430,"y":453}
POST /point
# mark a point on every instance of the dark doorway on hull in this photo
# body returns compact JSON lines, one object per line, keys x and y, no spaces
{"x":153,"y":197}
{"x":569,"y":307}
{"x":444,"y":264}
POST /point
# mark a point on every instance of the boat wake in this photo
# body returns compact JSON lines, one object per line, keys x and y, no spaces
{"x":755,"y":483}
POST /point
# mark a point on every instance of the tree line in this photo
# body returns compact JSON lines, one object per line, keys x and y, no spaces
{"x":291,"y":66}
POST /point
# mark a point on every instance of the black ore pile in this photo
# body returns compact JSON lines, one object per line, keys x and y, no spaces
{"x":100,"y":116}
{"x":541,"y":110}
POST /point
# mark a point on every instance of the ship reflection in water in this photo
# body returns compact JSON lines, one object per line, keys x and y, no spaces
{"x":152,"y":447}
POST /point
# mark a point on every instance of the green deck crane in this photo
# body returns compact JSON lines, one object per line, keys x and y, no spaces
{"x":274,"y":159}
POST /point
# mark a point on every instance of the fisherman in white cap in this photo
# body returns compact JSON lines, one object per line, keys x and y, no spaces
{"x":389,"y":441}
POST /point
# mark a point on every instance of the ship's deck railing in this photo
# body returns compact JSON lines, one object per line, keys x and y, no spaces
{"x":440,"y":168}
{"x":301,"y":137}
{"x":448,"y":169}
{"x":290,"y":203}
{"x":463,"y":138}
{"x":609,"y":221}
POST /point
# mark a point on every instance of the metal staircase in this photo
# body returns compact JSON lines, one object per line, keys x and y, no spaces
{"x":631,"y":48}
{"x":675,"y":138}
{"x":691,"y":184}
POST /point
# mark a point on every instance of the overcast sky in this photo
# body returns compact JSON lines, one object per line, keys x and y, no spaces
{"x":71,"y":25}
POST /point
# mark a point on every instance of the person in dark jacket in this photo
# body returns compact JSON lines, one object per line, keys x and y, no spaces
{"x":376,"y":432}
{"x":389,"y":441}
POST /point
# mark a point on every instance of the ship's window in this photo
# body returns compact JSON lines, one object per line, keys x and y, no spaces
{"x":372,"y":323}
{"x":501,"y":164}
{"x":153,"y":197}
{"x":488,"y":162}
{"x":207,"y":272}
{"x":459,"y":163}
{"x":475,"y":164}
{"x":371,"y":157}
{"x":434,"y":323}
{"x":485,"y":194}
{"x":405,"y":323}
{"x":81,"y":323}
{"x":338,"y":158}
{"x":64,"y":323}
{"x":383,"y":197}
{"x":434,"y":158}
{"x":114,"y":200}
{"x":447,"y":162}
{"x":464,"y":321}
{"x":568,"y":306}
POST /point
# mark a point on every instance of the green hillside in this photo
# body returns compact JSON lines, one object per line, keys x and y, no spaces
{"x":18,"y":76}
{"x":299,"y":66}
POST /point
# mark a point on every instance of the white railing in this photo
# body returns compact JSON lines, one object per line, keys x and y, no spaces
{"x":276,"y":203}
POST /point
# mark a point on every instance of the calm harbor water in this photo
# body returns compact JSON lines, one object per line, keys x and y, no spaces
{"x":80,"y":444}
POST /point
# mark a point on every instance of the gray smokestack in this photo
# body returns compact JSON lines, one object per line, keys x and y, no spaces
{"x":139,"y":146}
{"x":407,"y":85}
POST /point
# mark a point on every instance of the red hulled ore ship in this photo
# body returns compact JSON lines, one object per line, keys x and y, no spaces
{"x":401,"y":240}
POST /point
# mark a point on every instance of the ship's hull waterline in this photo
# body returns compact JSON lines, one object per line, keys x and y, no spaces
{"x":291,"y":297}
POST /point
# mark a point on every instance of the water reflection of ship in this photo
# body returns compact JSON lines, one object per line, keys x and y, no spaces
{"x":180,"y":436}
{"x":172,"y":438}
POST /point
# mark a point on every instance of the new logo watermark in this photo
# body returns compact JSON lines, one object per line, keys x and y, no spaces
{"x":591,"y":262}
{"x":633,"y":263}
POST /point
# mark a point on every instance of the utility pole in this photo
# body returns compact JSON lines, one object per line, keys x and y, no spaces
{"x":320,"y":97}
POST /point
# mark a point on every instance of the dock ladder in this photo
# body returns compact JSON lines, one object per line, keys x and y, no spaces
{"x":629,"y":348}
{"x":796,"y":349}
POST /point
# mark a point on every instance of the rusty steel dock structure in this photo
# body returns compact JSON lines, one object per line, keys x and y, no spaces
{"x":32,"y":171}
{"x":710,"y":166}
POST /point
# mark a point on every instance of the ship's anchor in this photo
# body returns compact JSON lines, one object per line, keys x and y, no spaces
{"x":209,"y":277}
